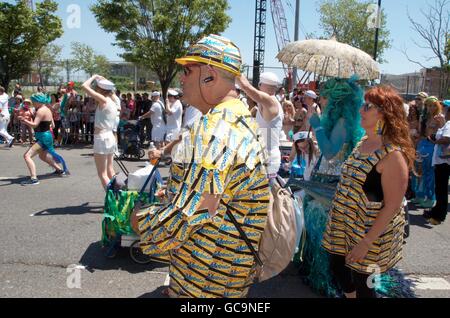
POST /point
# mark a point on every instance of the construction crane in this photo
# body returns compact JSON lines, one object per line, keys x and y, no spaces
{"x":260,"y":40}
{"x":281,"y":34}
{"x":280,"y":27}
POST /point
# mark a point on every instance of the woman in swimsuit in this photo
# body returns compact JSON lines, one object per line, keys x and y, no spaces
{"x":44,"y":140}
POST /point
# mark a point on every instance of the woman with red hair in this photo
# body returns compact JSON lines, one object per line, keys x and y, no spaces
{"x":365,"y":229}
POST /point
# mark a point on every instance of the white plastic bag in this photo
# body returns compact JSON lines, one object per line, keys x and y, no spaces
{"x":137,"y":179}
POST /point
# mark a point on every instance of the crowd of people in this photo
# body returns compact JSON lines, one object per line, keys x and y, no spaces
{"x":224,"y":136}
{"x":74,"y":120}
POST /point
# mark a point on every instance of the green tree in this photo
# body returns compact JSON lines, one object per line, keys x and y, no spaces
{"x":350,"y":22}
{"x":47,"y":63}
{"x":155,"y":32}
{"x":23,"y":34}
{"x":85,"y":59}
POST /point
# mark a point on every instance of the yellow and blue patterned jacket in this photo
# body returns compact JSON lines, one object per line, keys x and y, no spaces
{"x":221,"y":156}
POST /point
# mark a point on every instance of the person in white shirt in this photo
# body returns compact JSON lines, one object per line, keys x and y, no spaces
{"x":174,"y":111}
{"x":281,"y":95}
{"x":5,"y":117}
{"x":157,"y":117}
{"x":309,"y":99}
{"x":191,"y":115}
{"x":441,"y":164}
{"x":105,"y":122}
{"x":269,"y":115}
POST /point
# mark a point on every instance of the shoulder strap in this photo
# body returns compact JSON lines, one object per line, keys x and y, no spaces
{"x":241,"y":120}
{"x":244,"y":237}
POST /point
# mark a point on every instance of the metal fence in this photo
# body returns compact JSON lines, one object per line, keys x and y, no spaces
{"x":410,"y":85}
{"x":68,"y":131}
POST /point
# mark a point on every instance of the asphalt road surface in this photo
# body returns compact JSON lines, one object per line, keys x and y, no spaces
{"x":50,"y":235}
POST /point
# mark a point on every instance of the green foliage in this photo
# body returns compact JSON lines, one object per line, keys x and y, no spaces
{"x":23,"y":34}
{"x":155,"y":32}
{"x":85,"y":59}
{"x":348,"y":20}
{"x":47,"y":63}
{"x":123,"y":83}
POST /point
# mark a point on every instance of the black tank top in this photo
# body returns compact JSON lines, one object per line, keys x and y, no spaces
{"x":43,"y":126}
{"x":372,"y":187}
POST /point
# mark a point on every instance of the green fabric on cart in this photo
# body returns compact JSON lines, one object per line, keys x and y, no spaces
{"x":116,"y":214}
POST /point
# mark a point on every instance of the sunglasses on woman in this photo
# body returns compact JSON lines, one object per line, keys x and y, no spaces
{"x":368,"y":106}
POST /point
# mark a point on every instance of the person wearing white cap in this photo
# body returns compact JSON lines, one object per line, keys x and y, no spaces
{"x":269,"y":115}
{"x":105,"y":122}
{"x":309,"y":99}
{"x":174,"y":113}
{"x":157,"y":114}
{"x":303,"y":155}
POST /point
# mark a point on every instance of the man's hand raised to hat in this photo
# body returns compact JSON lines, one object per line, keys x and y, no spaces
{"x":98,"y":77}
{"x":242,"y":81}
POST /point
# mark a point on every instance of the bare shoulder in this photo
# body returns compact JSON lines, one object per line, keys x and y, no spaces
{"x":394,"y":162}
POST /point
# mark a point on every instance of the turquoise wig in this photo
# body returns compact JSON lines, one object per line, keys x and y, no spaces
{"x":345,"y":98}
{"x":41,"y":98}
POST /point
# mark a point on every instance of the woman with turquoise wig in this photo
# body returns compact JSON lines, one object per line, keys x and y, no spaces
{"x":43,"y":147}
{"x":337,"y":132}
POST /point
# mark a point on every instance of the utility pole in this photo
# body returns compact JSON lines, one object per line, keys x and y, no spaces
{"x":135,"y":78}
{"x":297,"y":22}
{"x":68,"y":70}
{"x":377,"y":29}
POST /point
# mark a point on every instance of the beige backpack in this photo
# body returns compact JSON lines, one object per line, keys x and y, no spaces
{"x":280,"y":237}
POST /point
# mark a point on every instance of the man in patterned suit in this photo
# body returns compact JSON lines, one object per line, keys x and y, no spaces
{"x":218,"y":167}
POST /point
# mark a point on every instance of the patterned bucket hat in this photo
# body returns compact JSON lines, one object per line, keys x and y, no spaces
{"x":216,"y":51}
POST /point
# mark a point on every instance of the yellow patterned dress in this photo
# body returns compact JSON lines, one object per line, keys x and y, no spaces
{"x":352,"y":215}
{"x":220,"y":155}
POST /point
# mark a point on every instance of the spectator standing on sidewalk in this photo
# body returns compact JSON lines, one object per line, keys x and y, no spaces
{"x":5,"y":117}
{"x":281,"y":95}
{"x":146,"y":125}
{"x":311,"y":107}
{"x":27,"y":113}
{"x":158,"y":119}
{"x":441,"y":164}
{"x":56,"y":111}
{"x":174,"y":112}
{"x":432,"y":119}
{"x":288,"y":121}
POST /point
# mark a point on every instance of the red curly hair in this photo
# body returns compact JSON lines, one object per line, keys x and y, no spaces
{"x":396,"y":129}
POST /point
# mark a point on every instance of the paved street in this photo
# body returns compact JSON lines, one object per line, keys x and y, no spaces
{"x":46,"y":228}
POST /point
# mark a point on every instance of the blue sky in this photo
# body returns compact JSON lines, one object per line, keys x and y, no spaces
{"x":241,"y":31}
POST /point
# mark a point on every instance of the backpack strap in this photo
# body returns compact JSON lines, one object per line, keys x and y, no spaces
{"x":230,"y":215}
{"x":163,"y":112}
{"x":244,"y":237}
